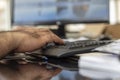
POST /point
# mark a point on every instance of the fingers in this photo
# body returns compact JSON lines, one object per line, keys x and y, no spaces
{"x":56,"y":39}
{"x":51,"y":37}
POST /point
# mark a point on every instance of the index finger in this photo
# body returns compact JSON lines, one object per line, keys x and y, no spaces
{"x":57,"y":39}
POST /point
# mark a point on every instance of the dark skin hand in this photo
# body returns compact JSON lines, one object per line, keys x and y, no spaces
{"x":26,"y":39}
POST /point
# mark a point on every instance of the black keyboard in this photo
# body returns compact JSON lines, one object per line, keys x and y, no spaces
{"x":72,"y":48}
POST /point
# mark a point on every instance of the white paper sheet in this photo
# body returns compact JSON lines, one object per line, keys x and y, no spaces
{"x":100,"y":67}
{"x":113,"y":47}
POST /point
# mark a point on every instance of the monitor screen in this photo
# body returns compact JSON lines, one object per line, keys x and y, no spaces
{"x":36,"y":12}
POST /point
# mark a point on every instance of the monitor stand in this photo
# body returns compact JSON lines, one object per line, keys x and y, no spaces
{"x":61,"y":31}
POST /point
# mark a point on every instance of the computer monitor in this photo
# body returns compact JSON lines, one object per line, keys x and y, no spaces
{"x":61,"y":12}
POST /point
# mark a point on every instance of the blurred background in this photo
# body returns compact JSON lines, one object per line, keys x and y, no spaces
{"x":71,"y":20}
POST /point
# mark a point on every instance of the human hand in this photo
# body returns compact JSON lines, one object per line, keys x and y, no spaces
{"x":31,"y":38}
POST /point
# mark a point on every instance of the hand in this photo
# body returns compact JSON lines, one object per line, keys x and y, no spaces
{"x":30,"y":39}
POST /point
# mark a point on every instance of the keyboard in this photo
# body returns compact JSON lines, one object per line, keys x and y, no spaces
{"x":53,"y":55}
{"x":72,"y":48}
